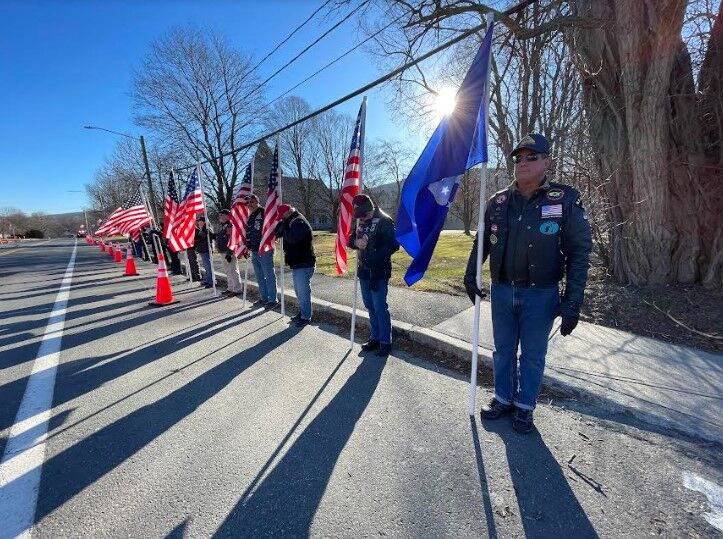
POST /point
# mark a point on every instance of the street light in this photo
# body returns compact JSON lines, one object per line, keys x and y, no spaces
{"x":145,"y":162}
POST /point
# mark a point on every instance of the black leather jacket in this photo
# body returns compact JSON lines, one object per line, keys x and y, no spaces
{"x":254,"y":228}
{"x":554,"y":234}
{"x":375,"y":262}
{"x":298,"y":241}
{"x":223,"y":236}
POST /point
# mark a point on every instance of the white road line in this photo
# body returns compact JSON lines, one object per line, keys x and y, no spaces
{"x":22,"y":462}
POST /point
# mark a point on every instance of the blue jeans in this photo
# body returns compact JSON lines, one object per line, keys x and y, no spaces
{"x":206,"y":259}
{"x":265,"y":275}
{"x":376,"y":303}
{"x":521,"y":316}
{"x":137,"y":249}
{"x":302,"y":288}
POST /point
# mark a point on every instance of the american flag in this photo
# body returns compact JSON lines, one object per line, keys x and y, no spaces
{"x":240,"y":212}
{"x":106,"y":228}
{"x":183,"y":228}
{"x":170,"y":206}
{"x":273,"y":199}
{"x":127,"y":219}
{"x":350,"y":188}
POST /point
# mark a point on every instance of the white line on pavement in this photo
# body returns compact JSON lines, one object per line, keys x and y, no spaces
{"x":22,"y":462}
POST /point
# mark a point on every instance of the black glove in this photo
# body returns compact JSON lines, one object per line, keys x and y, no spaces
{"x":472,"y":290}
{"x":570,"y":313}
{"x":280,"y":227}
{"x":568,"y":324}
{"x":229,"y":256}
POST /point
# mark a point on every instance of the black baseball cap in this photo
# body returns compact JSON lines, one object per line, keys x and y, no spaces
{"x":535,"y":142}
{"x":362,"y":204}
{"x":224,"y":212}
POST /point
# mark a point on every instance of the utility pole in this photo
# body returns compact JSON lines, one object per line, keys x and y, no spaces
{"x":148,"y":176}
{"x":151,"y":194}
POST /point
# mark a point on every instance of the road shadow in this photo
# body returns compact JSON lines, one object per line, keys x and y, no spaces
{"x":484,"y":487}
{"x":548,"y":506}
{"x":287,"y":499}
{"x":72,"y":470}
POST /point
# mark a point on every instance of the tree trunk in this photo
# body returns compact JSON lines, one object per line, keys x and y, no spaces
{"x":639,"y":96}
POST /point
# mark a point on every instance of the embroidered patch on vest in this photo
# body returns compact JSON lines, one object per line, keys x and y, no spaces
{"x":493,"y":239}
{"x":549,"y":228}
{"x":551,"y":211}
{"x":555,"y":194}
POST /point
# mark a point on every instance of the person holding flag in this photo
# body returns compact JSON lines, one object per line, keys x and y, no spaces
{"x":263,"y":262}
{"x":298,"y":242}
{"x":203,"y":248}
{"x":376,"y":242}
{"x":229,"y":262}
{"x":535,"y":232}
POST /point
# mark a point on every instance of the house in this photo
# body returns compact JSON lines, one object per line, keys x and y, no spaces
{"x":308,"y":195}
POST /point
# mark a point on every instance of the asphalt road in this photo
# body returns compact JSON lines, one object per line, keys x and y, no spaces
{"x":204,"y":419}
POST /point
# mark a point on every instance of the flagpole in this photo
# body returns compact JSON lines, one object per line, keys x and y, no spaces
{"x":356,"y":267}
{"x":208,"y":234}
{"x":186,"y":263}
{"x":480,"y":247}
{"x":248,"y":253}
{"x":281,"y":243}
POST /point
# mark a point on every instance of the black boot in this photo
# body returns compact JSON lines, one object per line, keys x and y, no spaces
{"x":370,"y":345}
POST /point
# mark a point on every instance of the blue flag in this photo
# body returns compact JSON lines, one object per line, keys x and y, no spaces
{"x":458,"y":143}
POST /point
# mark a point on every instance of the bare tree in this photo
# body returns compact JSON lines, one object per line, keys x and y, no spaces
{"x":196,"y":91}
{"x":296,"y":146}
{"x":655,"y":134}
{"x":331,"y":138}
{"x":115,"y":180}
{"x":389,"y":162}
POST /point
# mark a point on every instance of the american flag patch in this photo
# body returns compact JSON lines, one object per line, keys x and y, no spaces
{"x":551,"y":211}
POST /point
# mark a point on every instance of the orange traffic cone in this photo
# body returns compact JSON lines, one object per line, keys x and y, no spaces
{"x":164,"y":294}
{"x":102,"y":246}
{"x":111,"y":250}
{"x":118,"y":254}
{"x":130,"y":263}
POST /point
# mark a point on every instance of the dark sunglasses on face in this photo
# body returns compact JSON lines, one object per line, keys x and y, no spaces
{"x":532,"y":157}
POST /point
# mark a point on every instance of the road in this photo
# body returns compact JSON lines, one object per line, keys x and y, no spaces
{"x":205,"y":419}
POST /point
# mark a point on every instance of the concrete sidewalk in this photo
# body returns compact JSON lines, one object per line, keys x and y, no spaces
{"x":662,"y":384}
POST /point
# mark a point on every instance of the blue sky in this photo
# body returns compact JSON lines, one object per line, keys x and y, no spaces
{"x":65,"y":64}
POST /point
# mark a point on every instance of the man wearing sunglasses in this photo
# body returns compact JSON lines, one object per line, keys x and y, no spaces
{"x":535,"y":233}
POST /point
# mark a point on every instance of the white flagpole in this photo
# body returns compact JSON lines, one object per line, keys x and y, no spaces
{"x":199,"y":171}
{"x":281,"y":244}
{"x":480,"y":247}
{"x":356,"y":268}
{"x":246,"y":270}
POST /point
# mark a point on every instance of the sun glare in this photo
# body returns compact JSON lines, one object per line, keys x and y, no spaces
{"x":445,"y":101}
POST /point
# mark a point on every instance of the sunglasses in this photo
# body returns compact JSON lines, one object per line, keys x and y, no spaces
{"x":532,"y":157}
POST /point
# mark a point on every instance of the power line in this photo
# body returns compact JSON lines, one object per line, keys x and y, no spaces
{"x":384,"y":78}
{"x":355,"y":93}
{"x":287,"y":38}
{"x":335,"y":60}
{"x":307,"y":48}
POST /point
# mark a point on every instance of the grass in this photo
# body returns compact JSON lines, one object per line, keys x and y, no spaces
{"x":445,"y":272}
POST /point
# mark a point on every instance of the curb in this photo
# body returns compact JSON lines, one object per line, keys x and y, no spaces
{"x":461,"y":352}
